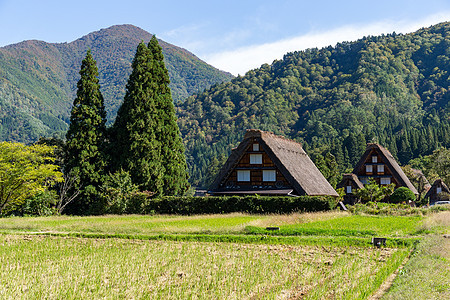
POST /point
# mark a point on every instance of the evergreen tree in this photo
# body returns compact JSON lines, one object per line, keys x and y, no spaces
{"x":175,"y":178}
{"x":84,"y":156}
{"x":134,"y":144}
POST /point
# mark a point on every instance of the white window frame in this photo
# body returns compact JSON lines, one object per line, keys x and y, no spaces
{"x":255,"y":147}
{"x":255,"y":159}
{"x":369,"y":169}
{"x":380,"y":169}
{"x":385,"y":180}
{"x":438,"y":189}
{"x":269,"y":175}
{"x":374,"y":158}
{"x":243,"y":175}
{"x":349,"y":189}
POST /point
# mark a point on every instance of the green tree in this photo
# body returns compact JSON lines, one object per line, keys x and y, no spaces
{"x":402,"y":194}
{"x":374,"y":192}
{"x":134,"y":144}
{"x":117,"y":190}
{"x":25,"y":171}
{"x":418,"y":179}
{"x":440,"y":160}
{"x":173,"y":160}
{"x":85,"y":157}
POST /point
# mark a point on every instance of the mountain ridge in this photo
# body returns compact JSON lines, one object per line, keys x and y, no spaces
{"x":392,"y":89}
{"x":38,"y":79}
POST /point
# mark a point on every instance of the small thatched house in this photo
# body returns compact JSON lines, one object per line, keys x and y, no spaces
{"x":438,"y":191}
{"x":350,"y":183}
{"x":376,"y":163}
{"x":267,"y":164}
{"x":423,"y":181}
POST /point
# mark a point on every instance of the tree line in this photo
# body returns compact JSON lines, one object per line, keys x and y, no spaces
{"x":390,"y":89}
{"x":142,"y":151}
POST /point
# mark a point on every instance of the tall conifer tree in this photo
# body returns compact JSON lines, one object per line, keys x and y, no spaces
{"x":84,"y":156}
{"x":135,"y":146}
{"x":173,"y":160}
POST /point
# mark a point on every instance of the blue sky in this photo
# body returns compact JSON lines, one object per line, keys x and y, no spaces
{"x":234,"y":36}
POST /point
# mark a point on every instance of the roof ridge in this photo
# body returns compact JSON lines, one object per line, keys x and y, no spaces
{"x":257,"y":132}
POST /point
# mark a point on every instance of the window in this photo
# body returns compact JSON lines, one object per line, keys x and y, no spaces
{"x":255,"y":159}
{"x":438,"y":190}
{"x":363,"y":180}
{"x":243,"y":175}
{"x":374,"y":159}
{"x":269,"y":175}
{"x":380,"y":169}
{"x":385,"y":180}
{"x":255,"y":147}
{"x":349,"y":189}
{"x":369,"y":169}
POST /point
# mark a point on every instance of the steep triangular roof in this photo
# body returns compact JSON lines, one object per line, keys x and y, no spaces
{"x":391,"y":163}
{"x":288,"y":156}
{"x":432,"y":190}
{"x":419,"y":174}
{"x":353,"y":178}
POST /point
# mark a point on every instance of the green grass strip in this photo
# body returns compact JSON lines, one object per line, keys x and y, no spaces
{"x":309,"y":231}
{"x":231,"y":238}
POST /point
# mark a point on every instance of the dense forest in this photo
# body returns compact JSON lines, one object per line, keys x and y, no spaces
{"x":38,"y":79}
{"x":391,"y":89}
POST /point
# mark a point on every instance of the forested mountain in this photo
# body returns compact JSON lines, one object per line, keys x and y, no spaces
{"x":391,"y":89}
{"x":38,"y":79}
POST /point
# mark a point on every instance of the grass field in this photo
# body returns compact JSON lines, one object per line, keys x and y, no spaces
{"x":34,"y":264}
{"x":333,"y":222}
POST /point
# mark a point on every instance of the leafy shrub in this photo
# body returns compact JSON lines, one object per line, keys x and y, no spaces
{"x":394,"y":209}
{"x":402,"y":194}
{"x":117,"y":191}
{"x":214,"y":205}
{"x":381,"y":208}
{"x":41,"y":204}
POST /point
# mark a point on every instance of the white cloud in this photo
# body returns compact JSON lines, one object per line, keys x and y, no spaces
{"x":241,"y":60}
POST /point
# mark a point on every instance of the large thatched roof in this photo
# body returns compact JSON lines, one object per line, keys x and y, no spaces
{"x":391,"y":163}
{"x":288,"y":156}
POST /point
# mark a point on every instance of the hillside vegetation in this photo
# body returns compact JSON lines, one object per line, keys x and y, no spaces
{"x":38,"y":79}
{"x":391,"y":89}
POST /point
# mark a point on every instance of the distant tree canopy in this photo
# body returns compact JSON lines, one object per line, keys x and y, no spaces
{"x":434,"y":166}
{"x":390,"y":89}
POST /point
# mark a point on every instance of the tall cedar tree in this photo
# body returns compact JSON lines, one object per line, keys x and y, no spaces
{"x":84,"y":156}
{"x":175,"y":178}
{"x":134,"y":145}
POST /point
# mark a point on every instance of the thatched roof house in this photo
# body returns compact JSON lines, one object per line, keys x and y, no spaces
{"x":267,"y":164}
{"x":437,"y":191}
{"x":350,"y":183}
{"x":376,"y":163}
{"x":418,"y":174}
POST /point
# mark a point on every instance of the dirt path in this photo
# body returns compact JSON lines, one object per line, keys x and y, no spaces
{"x":384,"y":287}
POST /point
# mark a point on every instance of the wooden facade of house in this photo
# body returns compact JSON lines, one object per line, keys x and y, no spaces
{"x":378,"y":164}
{"x":438,"y":191}
{"x":267,"y":164}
